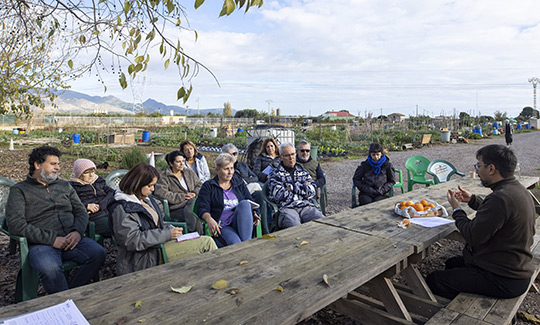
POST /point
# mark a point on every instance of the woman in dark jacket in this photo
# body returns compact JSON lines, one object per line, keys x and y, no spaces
{"x":374,"y":178}
{"x":268,"y":156}
{"x":94,"y":194}
{"x":137,"y":224}
{"x":223,"y":204}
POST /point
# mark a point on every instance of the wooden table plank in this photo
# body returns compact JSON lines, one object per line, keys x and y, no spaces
{"x":348,"y":258}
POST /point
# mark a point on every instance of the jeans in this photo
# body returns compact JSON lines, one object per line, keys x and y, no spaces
{"x":241,"y":227}
{"x":47,"y":261}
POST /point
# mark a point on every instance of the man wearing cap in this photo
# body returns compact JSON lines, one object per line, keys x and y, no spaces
{"x":48,"y":212}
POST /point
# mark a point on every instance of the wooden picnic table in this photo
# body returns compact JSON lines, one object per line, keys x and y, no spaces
{"x":357,"y":247}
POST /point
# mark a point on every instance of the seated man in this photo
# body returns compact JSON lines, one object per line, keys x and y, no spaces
{"x":48,"y":212}
{"x":303,"y":149}
{"x":496,"y":260}
{"x":291,"y":188}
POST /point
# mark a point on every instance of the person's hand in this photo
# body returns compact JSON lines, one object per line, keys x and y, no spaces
{"x":452,"y":199}
{"x":256,"y":219}
{"x":60,"y":243}
{"x":92,"y":207}
{"x":214,"y":227}
{"x":73,"y":238}
{"x":176,"y":232}
{"x":190,"y":196}
{"x":463,"y":195}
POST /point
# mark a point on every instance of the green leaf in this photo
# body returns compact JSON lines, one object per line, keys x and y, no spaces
{"x":166,"y":63}
{"x":170,"y":6}
{"x":70,"y":64}
{"x":138,"y":67}
{"x":18,"y":64}
{"x":139,"y":59}
{"x":181,"y":93}
{"x":127,"y":7}
{"x":82,"y":39}
{"x":228,"y":8}
{"x":96,"y":32}
{"x":131,"y":68}
{"x":51,"y":33}
{"x":38,"y":22}
{"x":138,"y":303}
{"x":178,"y":22}
{"x":198,"y":3}
{"x":122,"y":80}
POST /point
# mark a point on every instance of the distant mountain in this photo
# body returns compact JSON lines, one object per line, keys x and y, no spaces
{"x":70,"y":101}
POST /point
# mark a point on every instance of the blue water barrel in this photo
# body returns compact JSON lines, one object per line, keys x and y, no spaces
{"x":527,"y":126}
{"x":240,"y":130}
{"x":386,"y":127}
{"x":145,"y":136}
{"x":76,"y":138}
{"x":495,"y":132}
{"x":15,"y":131}
{"x":495,"y":125}
{"x":519,"y":127}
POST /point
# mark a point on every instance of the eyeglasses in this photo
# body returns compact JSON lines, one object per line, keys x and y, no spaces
{"x":477,"y":166}
{"x":89,"y":171}
{"x":305,"y":150}
{"x":289,"y":155}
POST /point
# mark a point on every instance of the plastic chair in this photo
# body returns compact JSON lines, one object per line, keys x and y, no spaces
{"x":323,"y":199}
{"x":442,"y":170}
{"x":258,"y":229}
{"x":399,"y":184}
{"x":416,"y":172}
{"x":114,"y":178}
{"x":5,"y":186}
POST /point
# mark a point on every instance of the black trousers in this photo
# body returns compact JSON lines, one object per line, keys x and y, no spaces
{"x":458,"y":277}
{"x":364,"y":199}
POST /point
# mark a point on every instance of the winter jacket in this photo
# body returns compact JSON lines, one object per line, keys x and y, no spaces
{"x":500,"y":236}
{"x":314,"y":169}
{"x":169,"y":188}
{"x":210,"y":197}
{"x":136,"y":233}
{"x":242,"y":170}
{"x":369,"y":183}
{"x":43,"y":212}
{"x":97,"y":193}
{"x":300,"y":194}
{"x":262,"y":161}
{"x":201,"y":168}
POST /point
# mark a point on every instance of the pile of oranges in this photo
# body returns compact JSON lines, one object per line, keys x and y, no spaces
{"x":419,"y":206}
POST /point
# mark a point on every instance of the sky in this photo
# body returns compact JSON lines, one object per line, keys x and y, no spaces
{"x":307,"y":57}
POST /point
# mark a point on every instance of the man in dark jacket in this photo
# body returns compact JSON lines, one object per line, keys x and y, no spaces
{"x":496,"y":260}
{"x":303,"y":158}
{"x":48,"y":212}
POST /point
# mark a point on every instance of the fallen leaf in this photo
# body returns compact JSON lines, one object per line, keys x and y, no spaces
{"x":233,"y":291}
{"x":530,"y":318}
{"x":266,"y":236}
{"x":279,"y":288}
{"x":303,"y":243}
{"x":122,"y":320}
{"x":183,"y":289}
{"x":239,"y":301}
{"x":142,"y":320}
{"x":220,"y":284}
{"x":325,"y":280}
{"x":243,"y":262}
{"x":138,"y":303}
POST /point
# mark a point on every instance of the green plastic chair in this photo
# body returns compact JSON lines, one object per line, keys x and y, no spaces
{"x":442,"y":170}
{"x":398,"y":184}
{"x":323,"y":199}
{"x":416,"y":172}
{"x":5,"y":185}
{"x":114,"y":178}
{"x":258,"y":229}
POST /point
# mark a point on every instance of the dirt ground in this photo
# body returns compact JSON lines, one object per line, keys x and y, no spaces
{"x":14,"y":165}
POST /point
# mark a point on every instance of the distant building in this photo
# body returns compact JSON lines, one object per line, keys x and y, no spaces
{"x":334,"y":115}
{"x":396,"y":118}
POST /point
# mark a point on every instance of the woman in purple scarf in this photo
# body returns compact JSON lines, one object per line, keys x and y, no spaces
{"x":374,"y":178}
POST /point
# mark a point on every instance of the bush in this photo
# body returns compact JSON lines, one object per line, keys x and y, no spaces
{"x":132,"y":158}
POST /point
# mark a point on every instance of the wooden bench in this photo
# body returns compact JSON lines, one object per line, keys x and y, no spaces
{"x":469,"y":308}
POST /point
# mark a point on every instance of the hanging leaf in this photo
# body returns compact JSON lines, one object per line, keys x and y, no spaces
{"x":198,"y":3}
{"x":166,"y":63}
{"x":122,"y":80}
{"x":70,"y":64}
{"x":180,"y":94}
{"x":220,"y":285}
{"x":228,"y":8}
{"x":183,"y":289}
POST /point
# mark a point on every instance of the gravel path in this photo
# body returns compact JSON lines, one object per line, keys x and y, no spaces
{"x":462,"y":156}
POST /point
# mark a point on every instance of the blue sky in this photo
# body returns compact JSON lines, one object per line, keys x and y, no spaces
{"x":311,"y":56}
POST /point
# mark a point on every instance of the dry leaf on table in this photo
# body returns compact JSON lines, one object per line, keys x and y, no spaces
{"x":266,"y":236}
{"x":141,"y":320}
{"x":325,"y":280}
{"x":303,"y":243}
{"x":138,"y":303}
{"x":243,"y":262}
{"x":183,"y":289}
{"x":233,"y":291}
{"x":279,"y":288}
{"x":220,"y":284}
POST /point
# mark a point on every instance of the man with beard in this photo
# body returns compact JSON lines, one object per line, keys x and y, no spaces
{"x":496,"y":260}
{"x":48,"y":212}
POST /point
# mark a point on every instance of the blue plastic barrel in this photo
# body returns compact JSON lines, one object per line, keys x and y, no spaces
{"x":145,"y":136}
{"x":495,"y":132}
{"x":76,"y":138}
{"x":15,"y":131}
{"x":240,"y":130}
{"x":519,"y":127}
{"x":495,"y":125}
{"x":527,"y":126}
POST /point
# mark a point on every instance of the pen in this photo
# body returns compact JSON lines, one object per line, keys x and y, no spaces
{"x":215,"y":232}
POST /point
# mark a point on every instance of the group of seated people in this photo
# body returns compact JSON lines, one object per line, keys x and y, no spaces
{"x":54,"y":214}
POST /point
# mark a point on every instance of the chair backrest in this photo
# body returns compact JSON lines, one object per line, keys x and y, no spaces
{"x":417,"y":166}
{"x":441,"y":170}
{"x":5,"y":186}
{"x":114,"y":178}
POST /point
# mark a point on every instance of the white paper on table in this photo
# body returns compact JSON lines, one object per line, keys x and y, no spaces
{"x":65,"y":313}
{"x":431,"y":222}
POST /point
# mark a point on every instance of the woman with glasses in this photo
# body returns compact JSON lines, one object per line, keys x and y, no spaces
{"x":180,"y":186}
{"x":94,"y":193}
{"x":268,"y":156}
{"x":374,"y":178}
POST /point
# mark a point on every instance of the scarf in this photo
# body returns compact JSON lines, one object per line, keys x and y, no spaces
{"x":377,"y":165}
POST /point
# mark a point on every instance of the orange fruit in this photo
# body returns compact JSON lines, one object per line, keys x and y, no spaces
{"x":431,"y":206}
{"x":408,"y":204}
{"x":403,"y":203}
{"x":418,"y":207}
{"x":406,"y":222}
{"x":402,"y":207}
{"x":424,"y":202}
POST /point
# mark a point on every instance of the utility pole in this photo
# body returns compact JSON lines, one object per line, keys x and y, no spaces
{"x":534,"y":81}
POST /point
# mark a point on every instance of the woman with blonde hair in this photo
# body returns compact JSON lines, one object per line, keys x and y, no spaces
{"x":195,"y":160}
{"x":268,"y":156}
